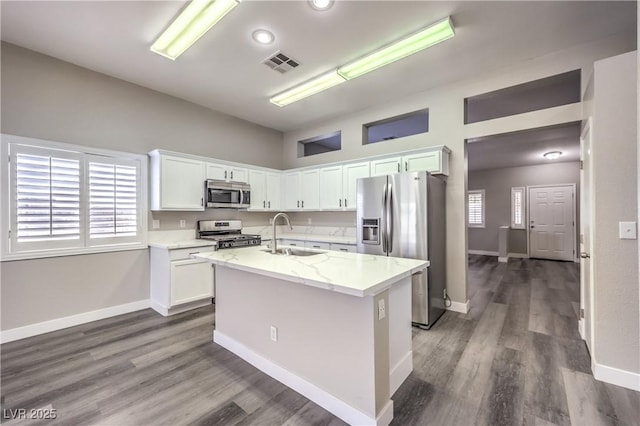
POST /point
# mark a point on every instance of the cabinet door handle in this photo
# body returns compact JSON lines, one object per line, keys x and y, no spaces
{"x":264,"y":204}
{"x":406,"y":166}
{"x":316,"y":246}
{"x":343,"y":249}
{"x":345,"y":202}
{"x":298,"y":203}
{"x":340,"y":202}
{"x":225,"y":174}
{"x":231,"y":174}
{"x":269,"y":203}
{"x":202,"y":201}
{"x":398,"y":167}
{"x":303,"y":204}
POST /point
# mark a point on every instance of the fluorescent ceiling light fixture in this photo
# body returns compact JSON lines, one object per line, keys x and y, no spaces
{"x":192,"y":23}
{"x":321,"y":4}
{"x":263,"y":36}
{"x":552,"y":155}
{"x":311,"y":87}
{"x":433,"y":34}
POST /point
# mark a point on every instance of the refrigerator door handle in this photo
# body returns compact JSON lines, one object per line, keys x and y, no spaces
{"x":389,"y":226}
{"x":383,"y":214}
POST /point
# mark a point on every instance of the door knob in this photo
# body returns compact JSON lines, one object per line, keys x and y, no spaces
{"x":584,"y":255}
{"x":532,"y":226}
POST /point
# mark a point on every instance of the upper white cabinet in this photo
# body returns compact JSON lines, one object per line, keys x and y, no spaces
{"x":331,"y":188}
{"x":350,"y":175}
{"x":265,"y":190}
{"x":435,"y":162}
{"x":177,"y":183}
{"x":301,"y":190}
{"x":338,"y":185}
{"x":226,"y":173}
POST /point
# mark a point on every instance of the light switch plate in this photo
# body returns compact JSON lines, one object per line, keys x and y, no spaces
{"x":382,"y":312}
{"x":155,"y":223}
{"x":628,"y":230}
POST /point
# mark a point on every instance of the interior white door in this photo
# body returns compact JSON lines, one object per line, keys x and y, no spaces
{"x":551,"y":222}
{"x":586,"y":288}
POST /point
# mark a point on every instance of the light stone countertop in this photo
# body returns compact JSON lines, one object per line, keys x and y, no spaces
{"x":349,"y":273}
{"x":171,"y":245}
{"x":336,"y":239}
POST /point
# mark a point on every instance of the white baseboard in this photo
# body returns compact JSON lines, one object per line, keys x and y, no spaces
{"x":164,"y":311}
{"x":518,"y":255}
{"x":504,"y":259}
{"x":483,"y":252}
{"x":459,"y":307}
{"x":615,"y":376}
{"x":581,"y":329}
{"x":70,"y":321}
{"x":400,"y":372}
{"x":321,"y":397}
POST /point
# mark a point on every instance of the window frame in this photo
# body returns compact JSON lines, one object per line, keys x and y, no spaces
{"x":483,"y":208}
{"x":521,"y":191}
{"x":10,"y":249}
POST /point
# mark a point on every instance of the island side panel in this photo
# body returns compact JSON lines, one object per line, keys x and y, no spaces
{"x":324,"y":337}
{"x":400,"y":344}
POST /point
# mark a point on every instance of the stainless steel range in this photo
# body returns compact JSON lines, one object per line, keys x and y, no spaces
{"x":226,"y":234}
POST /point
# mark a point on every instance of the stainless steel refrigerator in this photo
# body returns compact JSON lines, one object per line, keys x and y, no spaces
{"x":403,"y":215}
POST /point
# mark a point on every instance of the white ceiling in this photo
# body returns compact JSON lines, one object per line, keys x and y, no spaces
{"x":224,"y":70}
{"x":524,"y":148}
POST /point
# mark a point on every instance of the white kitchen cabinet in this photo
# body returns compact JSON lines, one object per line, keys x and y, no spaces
{"x":291,"y":191}
{"x":433,"y":161}
{"x":274,"y":183}
{"x":176,"y":183}
{"x":310,"y":190}
{"x":294,"y":243}
{"x":265,"y":190}
{"x":385,"y":166}
{"x":317,"y":245}
{"x":350,"y":175}
{"x":179,"y":282}
{"x":301,"y":190}
{"x":331,"y":197}
{"x":350,"y":248}
{"x":226,"y":173}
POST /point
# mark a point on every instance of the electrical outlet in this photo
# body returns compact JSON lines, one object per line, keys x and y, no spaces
{"x":183,"y":223}
{"x":155,"y":223}
{"x":382,"y":311}
{"x":309,"y":221}
{"x":628,"y":230}
{"x":274,"y":334}
{"x":270,"y":221}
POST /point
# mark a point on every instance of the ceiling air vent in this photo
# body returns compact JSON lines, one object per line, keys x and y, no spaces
{"x":281,"y":62}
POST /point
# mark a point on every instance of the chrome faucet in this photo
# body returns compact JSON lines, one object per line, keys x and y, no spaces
{"x":274,"y":241}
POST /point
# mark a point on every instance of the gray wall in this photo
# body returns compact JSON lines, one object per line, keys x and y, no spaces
{"x":615,"y":199}
{"x":45,"y":98}
{"x":497,"y":184}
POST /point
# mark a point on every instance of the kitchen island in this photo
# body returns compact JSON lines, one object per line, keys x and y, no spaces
{"x":334,"y":326}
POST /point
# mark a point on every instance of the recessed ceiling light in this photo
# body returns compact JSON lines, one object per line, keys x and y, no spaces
{"x":321,"y":4}
{"x":263,"y":36}
{"x":552,"y":155}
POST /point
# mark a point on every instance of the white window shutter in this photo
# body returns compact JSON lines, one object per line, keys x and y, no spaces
{"x":476,"y":200}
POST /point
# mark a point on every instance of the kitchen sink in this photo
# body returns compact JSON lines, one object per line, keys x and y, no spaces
{"x":294,"y":252}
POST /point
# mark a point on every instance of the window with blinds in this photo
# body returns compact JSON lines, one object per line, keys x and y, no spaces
{"x":476,"y":200}
{"x":517,"y":208}
{"x":66,"y":201}
{"x":113,"y":210}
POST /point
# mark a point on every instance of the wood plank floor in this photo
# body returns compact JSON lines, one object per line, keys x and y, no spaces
{"x":514,"y":359}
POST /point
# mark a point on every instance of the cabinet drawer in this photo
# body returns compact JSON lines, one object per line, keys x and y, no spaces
{"x":343,"y":247}
{"x":295,"y":243}
{"x":317,"y":245}
{"x":180,"y":254}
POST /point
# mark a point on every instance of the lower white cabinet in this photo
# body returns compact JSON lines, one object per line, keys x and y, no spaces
{"x":317,"y":245}
{"x":351,"y":248}
{"x":179,"y":282}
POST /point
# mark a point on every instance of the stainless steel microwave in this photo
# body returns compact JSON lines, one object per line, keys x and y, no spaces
{"x":219,"y":193}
